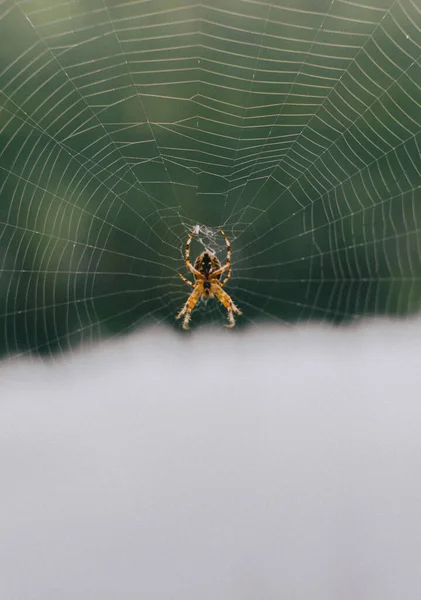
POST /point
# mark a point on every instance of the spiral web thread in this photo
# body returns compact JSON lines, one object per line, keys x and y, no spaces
{"x":294,"y":126}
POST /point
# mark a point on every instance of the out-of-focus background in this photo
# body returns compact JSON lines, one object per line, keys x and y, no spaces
{"x":277,"y":460}
{"x":294,"y":125}
{"x":272,"y":464}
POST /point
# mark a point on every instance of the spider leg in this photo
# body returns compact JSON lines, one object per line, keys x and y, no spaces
{"x":226,"y":300}
{"x":222,"y":283}
{"x":227,"y":266}
{"x":190,"y":267}
{"x":186,"y":280}
{"x":189,"y":305}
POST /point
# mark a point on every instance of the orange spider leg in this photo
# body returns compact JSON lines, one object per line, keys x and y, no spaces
{"x":227,"y":266}
{"x":222,"y":283}
{"x":189,"y":305}
{"x":190,"y":267}
{"x":186,"y":280}
{"x":225,"y":299}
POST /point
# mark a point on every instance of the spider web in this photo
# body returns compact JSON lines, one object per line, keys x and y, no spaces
{"x":293,"y":125}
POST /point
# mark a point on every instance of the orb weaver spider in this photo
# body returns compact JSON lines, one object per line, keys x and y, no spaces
{"x":207,"y":271}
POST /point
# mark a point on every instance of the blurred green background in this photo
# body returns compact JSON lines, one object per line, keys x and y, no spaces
{"x":294,"y":125}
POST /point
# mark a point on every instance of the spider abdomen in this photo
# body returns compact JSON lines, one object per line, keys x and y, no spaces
{"x":206,"y":263}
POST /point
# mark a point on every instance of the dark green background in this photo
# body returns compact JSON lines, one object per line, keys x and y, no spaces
{"x":295,"y":126}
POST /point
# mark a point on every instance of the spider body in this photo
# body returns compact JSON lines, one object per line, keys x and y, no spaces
{"x":207,"y":271}
{"x":206,"y":264}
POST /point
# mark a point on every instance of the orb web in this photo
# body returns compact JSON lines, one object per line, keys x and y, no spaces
{"x":293,"y":126}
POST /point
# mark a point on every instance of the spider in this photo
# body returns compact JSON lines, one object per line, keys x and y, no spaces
{"x":207,"y":271}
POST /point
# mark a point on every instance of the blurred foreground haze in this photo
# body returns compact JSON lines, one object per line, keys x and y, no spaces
{"x":269,"y":464}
